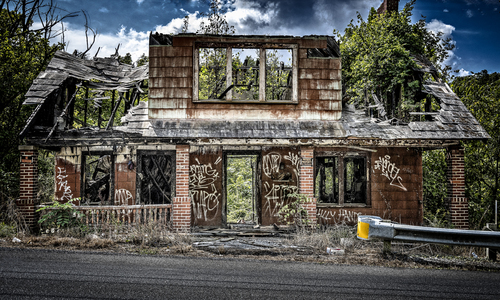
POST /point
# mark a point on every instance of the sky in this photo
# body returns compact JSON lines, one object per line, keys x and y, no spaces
{"x":472,"y":24}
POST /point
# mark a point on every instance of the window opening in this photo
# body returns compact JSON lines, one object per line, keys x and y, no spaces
{"x":246,"y":68}
{"x":279,"y":74}
{"x":97,"y":179}
{"x":212,"y":73}
{"x":327,"y":180}
{"x":241,"y":173}
{"x":354,"y":180}
{"x":341,"y":180}
{"x":240,"y":74}
{"x":156,"y":175}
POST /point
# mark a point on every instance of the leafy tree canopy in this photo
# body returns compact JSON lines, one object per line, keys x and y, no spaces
{"x":376,"y":53}
{"x":481,"y":94}
{"x":24,"y":52}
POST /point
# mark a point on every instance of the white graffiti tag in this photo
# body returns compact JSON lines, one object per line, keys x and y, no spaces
{"x":275,"y":197}
{"x":271,"y":164}
{"x":122,"y":196}
{"x":334,"y":217}
{"x":390,"y":171}
{"x":62,"y":184}
{"x":203,"y":192}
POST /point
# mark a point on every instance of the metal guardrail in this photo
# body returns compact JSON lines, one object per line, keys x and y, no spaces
{"x":373,"y":227}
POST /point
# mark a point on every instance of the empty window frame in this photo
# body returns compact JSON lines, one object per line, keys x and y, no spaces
{"x":155,"y":177}
{"x":341,"y":180}
{"x":235,"y":74}
{"x":97,"y":179}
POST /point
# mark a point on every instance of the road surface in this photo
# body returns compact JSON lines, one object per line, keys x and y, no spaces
{"x":49,"y":274}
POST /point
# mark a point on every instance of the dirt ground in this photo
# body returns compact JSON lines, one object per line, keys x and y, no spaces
{"x":284,"y":247}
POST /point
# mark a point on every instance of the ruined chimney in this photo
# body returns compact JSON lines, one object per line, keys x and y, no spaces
{"x":388,"y":5}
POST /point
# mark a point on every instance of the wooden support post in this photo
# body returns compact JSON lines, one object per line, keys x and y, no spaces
{"x":86,"y":107}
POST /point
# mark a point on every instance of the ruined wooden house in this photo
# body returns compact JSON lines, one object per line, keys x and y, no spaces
{"x":275,"y":101}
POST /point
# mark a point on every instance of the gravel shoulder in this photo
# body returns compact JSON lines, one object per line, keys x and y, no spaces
{"x":281,"y":248}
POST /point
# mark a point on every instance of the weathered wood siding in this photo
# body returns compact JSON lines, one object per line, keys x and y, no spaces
{"x":171,"y":84}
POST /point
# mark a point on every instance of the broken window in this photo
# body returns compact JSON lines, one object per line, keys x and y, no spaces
{"x":279,"y":74}
{"x":98,"y":179}
{"x":212,"y":73}
{"x":262,"y":74}
{"x":245,"y":74}
{"x":156,"y":177}
{"x":341,"y":179}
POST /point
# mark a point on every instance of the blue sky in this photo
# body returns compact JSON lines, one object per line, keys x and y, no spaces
{"x":473,"y":24}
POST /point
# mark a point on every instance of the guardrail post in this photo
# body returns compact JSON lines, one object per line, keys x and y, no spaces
{"x":387,"y":246}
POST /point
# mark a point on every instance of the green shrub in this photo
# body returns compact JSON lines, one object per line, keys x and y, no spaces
{"x":57,"y":215}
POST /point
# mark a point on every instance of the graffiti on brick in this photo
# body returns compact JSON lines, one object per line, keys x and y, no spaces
{"x":123,"y":196}
{"x":342,"y":216}
{"x":62,"y":184}
{"x":389,"y":170}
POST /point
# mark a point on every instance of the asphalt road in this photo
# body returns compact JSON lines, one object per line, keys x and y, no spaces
{"x":45,"y":274}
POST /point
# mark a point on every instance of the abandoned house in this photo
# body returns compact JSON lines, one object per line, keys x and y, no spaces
{"x":273,"y":104}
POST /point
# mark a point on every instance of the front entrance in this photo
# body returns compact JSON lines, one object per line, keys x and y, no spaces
{"x":242,"y":188}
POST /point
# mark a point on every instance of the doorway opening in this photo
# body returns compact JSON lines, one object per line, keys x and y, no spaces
{"x":241,"y":189}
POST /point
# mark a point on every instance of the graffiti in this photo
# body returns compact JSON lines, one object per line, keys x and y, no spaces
{"x":294,"y":159}
{"x":203,"y":191}
{"x":390,"y":171}
{"x":271,"y":164}
{"x":275,"y":195}
{"x":204,"y":202}
{"x":219,"y":159}
{"x":62,"y":184}
{"x":342,"y":216}
{"x":122,"y":196}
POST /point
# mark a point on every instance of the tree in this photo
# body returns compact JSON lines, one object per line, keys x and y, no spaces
{"x":217,"y":23}
{"x":481,"y":94}
{"x":25,"y":50}
{"x":377,"y":57}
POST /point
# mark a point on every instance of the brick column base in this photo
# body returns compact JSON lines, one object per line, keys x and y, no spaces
{"x":181,"y":205}
{"x":181,"y":218}
{"x":307,"y":182}
{"x":28,"y":188}
{"x":457,"y":203}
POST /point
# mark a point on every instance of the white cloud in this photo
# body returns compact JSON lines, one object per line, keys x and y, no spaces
{"x":463,"y":72}
{"x":140,"y":1}
{"x":436,"y":26}
{"x":103,"y":10}
{"x":469,"y":13}
{"x":445,"y":10}
{"x":134,"y":42}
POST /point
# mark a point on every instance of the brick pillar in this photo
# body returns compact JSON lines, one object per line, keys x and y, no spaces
{"x":458,"y":205}
{"x":182,"y":202}
{"x":28,"y":190}
{"x":307,"y":181}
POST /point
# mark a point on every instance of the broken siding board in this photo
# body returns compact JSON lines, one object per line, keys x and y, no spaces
{"x":174,"y":62}
{"x":169,"y":103}
{"x":159,"y":93}
{"x":177,"y":51}
{"x":315,"y":63}
{"x":319,"y":84}
{"x":319,"y":74}
{"x":183,"y":72}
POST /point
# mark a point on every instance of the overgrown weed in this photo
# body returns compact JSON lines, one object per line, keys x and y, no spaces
{"x":339,"y":236}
